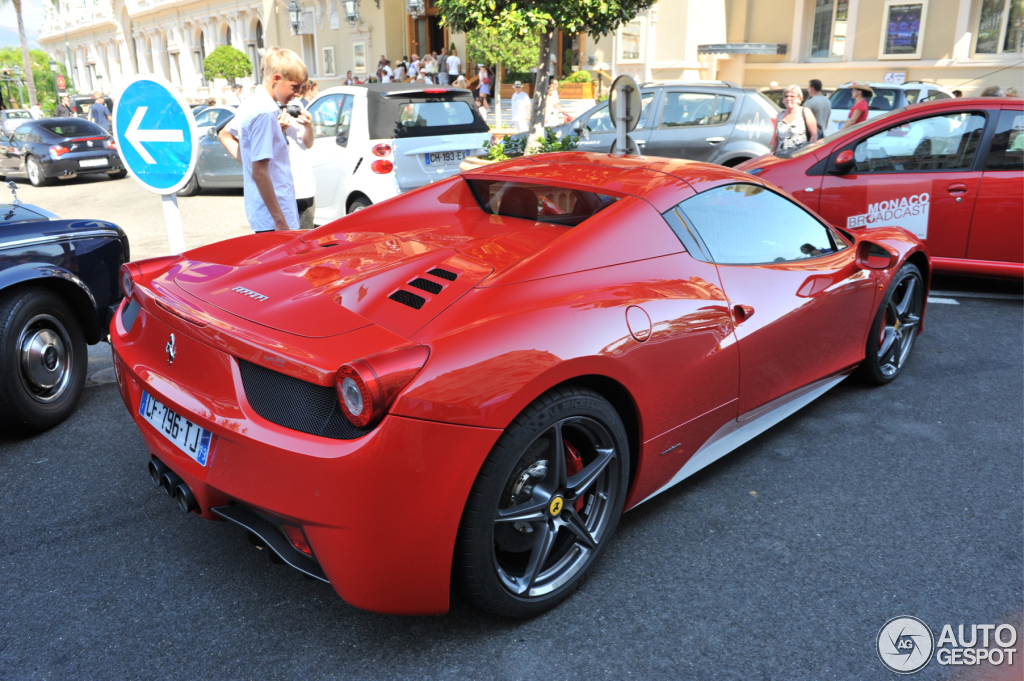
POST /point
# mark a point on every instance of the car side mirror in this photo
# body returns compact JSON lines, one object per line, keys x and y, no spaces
{"x":211,"y":133}
{"x":342,"y":139}
{"x":871,"y":256}
{"x":844,"y":162}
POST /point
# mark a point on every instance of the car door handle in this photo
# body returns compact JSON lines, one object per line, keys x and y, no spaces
{"x":742,"y":313}
{"x":957,"y":188}
{"x":715,"y":140}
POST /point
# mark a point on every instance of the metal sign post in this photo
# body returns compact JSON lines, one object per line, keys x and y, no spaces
{"x":624,"y":105}
{"x":156,"y":136}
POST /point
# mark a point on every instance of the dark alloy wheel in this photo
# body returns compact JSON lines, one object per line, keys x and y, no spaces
{"x":896,"y":327}
{"x":545,"y":504}
{"x":118,"y":174}
{"x":35,"y":172}
{"x":43,"y":361}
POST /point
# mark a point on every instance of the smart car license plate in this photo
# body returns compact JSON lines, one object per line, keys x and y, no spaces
{"x":92,"y":162}
{"x":185,"y":435}
{"x":439,"y":158}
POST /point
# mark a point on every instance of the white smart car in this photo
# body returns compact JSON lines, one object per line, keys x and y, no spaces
{"x":377,"y":141}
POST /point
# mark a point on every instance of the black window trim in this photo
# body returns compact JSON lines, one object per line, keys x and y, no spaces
{"x":701,"y":252}
{"x":976,"y":165}
{"x":989,"y":138}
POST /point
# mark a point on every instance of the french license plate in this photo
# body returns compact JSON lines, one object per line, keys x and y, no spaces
{"x":185,"y":435}
{"x":439,"y":158}
{"x":92,"y":162}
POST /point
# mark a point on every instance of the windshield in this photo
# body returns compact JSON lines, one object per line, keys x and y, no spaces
{"x":884,"y":99}
{"x":65,"y":128}
{"x":19,"y":114}
{"x":538,"y":203}
{"x":839,"y":134}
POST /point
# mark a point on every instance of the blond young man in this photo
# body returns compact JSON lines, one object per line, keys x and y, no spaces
{"x":267,"y":180}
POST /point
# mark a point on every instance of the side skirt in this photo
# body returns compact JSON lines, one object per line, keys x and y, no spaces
{"x":748,"y":426}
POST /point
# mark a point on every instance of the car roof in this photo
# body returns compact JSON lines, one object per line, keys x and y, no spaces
{"x":643,"y":177}
{"x":384,"y":89}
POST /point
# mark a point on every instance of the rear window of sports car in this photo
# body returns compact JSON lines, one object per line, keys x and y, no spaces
{"x":74,"y":129}
{"x":537,"y":202}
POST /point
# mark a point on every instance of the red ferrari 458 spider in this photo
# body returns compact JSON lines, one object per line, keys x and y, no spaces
{"x":476,"y":378}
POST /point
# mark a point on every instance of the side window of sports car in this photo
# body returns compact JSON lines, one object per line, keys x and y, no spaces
{"x":538,"y":202}
{"x":947,"y":142}
{"x":744,"y":224}
{"x":1007,"y":151}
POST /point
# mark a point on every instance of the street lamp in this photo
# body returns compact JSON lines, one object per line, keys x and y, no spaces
{"x":295,"y":16}
{"x":416,"y":8}
{"x":351,"y":11}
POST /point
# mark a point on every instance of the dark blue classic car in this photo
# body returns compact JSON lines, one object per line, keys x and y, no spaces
{"x":59,"y":287}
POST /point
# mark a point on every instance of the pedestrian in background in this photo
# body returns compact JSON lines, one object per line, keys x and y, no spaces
{"x":235,"y":98}
{"x":461,"y":82}
{"x":484,"y":90}
{"x":386,"y":72}
{"x":262,"y":146}
{"x":99,"y":113}
{"x":520,"y":108}
{"x":64,"y":109}
{"x":454,"y":65}
{"x":993,"y":91}
{"x":957,"y":94}
{"x":795,"y":126}
{"x":819,"y":105}
{"x":442,"y":68}
{"x":349,"y":80}
{"x":554,"y":115}
{"x":862,"y":94}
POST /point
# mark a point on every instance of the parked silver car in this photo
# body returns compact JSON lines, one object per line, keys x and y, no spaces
{"x":717,"y":122}
{"x":215,"y":167}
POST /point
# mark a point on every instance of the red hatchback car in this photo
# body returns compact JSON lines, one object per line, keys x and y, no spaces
{"x":476,"y":378}
{"x":950,"y":171}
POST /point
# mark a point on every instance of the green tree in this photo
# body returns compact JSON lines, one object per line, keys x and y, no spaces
{"x":543,"y":17}
{"x":492,"y":45}
{"x":228,"y":63}
{"x":25,"y":61}
{"x":46,"y":84}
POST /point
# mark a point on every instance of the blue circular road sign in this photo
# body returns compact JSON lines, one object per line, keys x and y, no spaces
{"x":156,"y":134}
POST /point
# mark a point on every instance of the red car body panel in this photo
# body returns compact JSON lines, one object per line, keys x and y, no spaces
{"x":974,"y":225}
{"x":616,"y":303}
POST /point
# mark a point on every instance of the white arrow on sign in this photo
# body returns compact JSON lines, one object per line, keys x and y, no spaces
{"x":135,"y":136}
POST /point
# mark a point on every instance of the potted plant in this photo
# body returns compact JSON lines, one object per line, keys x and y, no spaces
{"x":577,"y":86}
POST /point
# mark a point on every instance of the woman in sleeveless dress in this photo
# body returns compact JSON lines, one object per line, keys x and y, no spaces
{"x":795,"y":126}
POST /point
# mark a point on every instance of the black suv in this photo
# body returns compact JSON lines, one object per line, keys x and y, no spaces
{"x":715,"y":122}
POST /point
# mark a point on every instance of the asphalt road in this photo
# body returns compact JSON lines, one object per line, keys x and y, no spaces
{"x":781,"y":561}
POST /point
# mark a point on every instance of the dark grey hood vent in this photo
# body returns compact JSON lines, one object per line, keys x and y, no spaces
{"x":409,"y":299}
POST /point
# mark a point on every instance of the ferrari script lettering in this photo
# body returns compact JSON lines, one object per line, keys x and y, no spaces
{"x":247,"y":292}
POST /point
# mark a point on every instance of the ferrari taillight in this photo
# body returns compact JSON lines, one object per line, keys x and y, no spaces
{"x":368,"y":387}
{"x":127,"y":281}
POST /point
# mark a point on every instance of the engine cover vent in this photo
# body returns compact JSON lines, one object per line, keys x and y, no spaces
{"x":409,"y":299}
{"x":428,"y":286}
{"x":443,"y":274}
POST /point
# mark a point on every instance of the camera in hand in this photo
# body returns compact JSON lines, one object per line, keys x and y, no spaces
{"x":293,"y":110}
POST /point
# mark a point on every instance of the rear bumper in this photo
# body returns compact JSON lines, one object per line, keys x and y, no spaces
{"x":380,"y":512}
{"x":66,"y":166}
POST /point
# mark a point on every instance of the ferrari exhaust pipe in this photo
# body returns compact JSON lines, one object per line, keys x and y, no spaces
{"x":170,"y":481}
{"x":186,"y":500}
{"x":156,"y":470}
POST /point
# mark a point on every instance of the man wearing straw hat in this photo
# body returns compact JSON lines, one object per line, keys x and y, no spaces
{"x":520,"y":108}
{"x":862,"y":94}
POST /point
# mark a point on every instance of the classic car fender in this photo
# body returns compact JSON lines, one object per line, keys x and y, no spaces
{"x":68,"y":286}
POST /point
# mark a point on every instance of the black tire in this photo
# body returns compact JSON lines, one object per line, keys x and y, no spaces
{"x":34,"y":170}
{"x":896,"y":325}
{"x":733,"y":162}
{"x":358,"y":204}
{"x":43,"y":361}
{"x":191,"y":187}
{"x":496,"y":556}
{"x":119,"y":174}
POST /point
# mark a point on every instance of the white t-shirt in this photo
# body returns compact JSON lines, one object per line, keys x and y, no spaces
{"x":302,"y":165}
{"x":520,"y":106}
{"x":386,"y":78}
{"x":454,"y":65}
{"x":259,"y":138}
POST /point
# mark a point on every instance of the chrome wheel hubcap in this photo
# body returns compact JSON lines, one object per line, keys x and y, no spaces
{"x":45,"y":361}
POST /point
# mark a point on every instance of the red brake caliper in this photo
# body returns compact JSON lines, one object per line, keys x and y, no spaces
{"x":573,"y":465}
